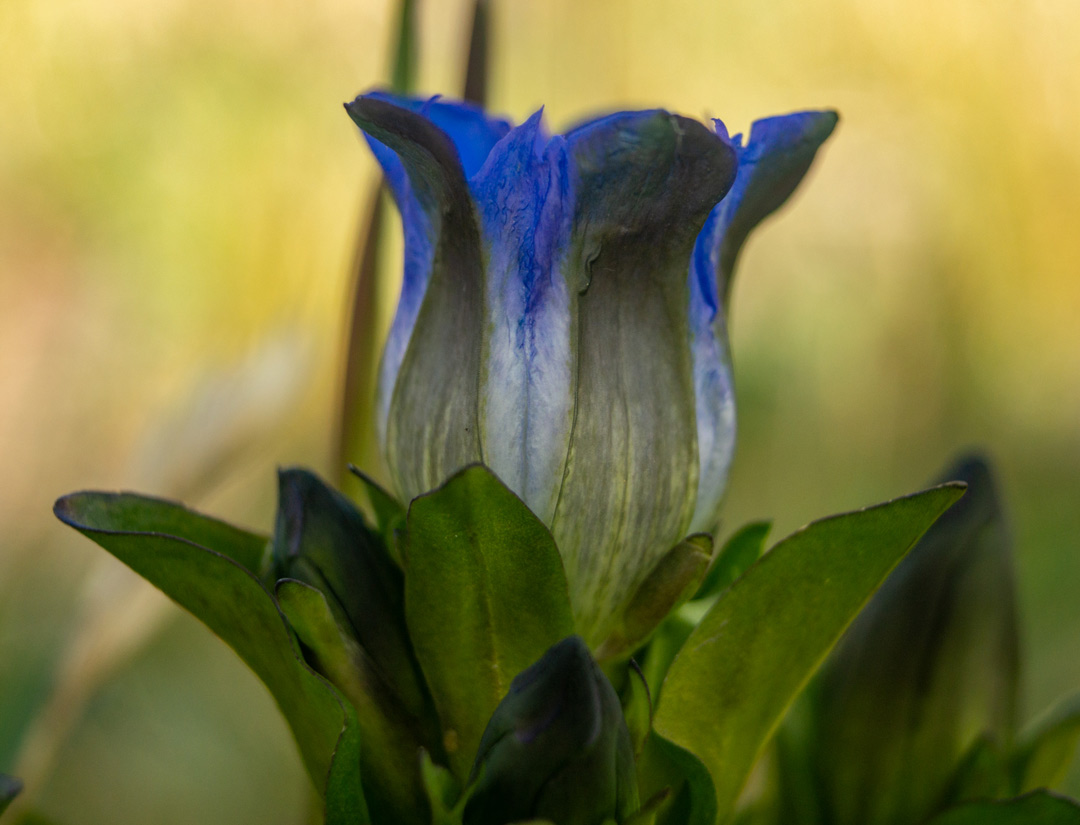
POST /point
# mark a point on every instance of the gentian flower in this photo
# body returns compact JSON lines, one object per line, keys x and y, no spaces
{"x":563,"y":317}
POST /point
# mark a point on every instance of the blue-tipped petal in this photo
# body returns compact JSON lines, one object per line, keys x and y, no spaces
{"x":432,"y":420}
{"x":473,"y":134}
{"x":774,"y":161}
{"x":643,"y":184}
{"x":527,"y":401}
{"x":777,"y":156}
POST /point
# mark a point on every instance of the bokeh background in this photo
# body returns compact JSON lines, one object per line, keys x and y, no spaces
{"x":180,"y":195}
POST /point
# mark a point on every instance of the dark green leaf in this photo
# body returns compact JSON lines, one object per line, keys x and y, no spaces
{"x":664,"y":765}
{"x":664,"y":645}
{"x":143,"y":514}
{"x":740,"y":551}
{"x":757,"y":647}
{"x":1038,"y":808}
{"x":637,"y":707}
{"x":485,"y":597}
{"x":322,"y":539}
{"x":1047,"y":749}
{"x":391,"y":740}
{"x":163,"y":542}
{"x":388,"y":511}
{"x":646,"y":814}
{"x":10,"y":787}
{"x":983,"y":774}
{"x":927,"y":670}
{"x":443,"y":792}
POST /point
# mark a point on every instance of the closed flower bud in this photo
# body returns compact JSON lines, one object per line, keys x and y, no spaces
{"x":321,"y":539}
{"x":562,"y":317}
{"x":924,"y":679}
{"x":557,"y":747}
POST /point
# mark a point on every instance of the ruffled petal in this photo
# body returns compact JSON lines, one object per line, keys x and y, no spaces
{"x":776,"y":158}
{"x":528,"y":382}
{"x":774,"y":161}
{"x":643,"y":185}
{"x":431,"y":425}
{"x":473,"y":131}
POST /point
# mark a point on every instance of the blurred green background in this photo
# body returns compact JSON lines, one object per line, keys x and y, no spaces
{"x":180,"y":194}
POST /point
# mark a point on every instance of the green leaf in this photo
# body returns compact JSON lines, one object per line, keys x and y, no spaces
{"x":443,"y":792}
{"x":1048,"y":747}
{"x":10,"y":787}
{"x":665,"y":645}
{"x":485,"y":597}
{"x":739,"y":552}
{"x":322,"y":539}
{"x":187,"y":556}
{"x":1038,"y":808}
{"x":665,"y":765}
{"x":674,"y":577}
{"x":927,"y":669}
{"x":391,"y":741}
{"x":388,"y":511}
{"x":637,"y":707}
{"x":130,"y":512}
{"x":758,"y":646}
{"x":983,"y":773}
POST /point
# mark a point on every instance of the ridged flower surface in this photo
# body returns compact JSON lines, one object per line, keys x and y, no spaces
{"x":562,"y":317}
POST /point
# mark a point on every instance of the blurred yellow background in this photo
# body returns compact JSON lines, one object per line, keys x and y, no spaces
{"x":180,"y":193}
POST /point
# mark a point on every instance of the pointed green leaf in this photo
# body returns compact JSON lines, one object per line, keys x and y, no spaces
{"x":10,"y":787}
{"x":1038,"y":808}
{"x":739,"y":552}
{"x":983,"y":774}
{"x":757,"y":647}
{"x":443,"y":792}
{"x":391,"y":742}
{"x":485,"y":597}
{"x":637,"y":707}
{"x":691,"y":797}
{"x":132,"y":512}
{"x":388,"y":511}
{"x":927,"y":669}
{"x":665,"y":646}
{"x":164,"y":543}
{"x":322,"y":539}
{"x":1048,"y":747}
